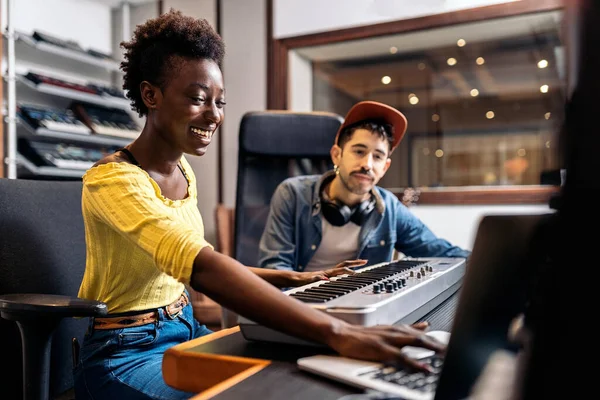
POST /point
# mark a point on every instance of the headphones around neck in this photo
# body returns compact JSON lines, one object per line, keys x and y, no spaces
{"x":338,"y":214}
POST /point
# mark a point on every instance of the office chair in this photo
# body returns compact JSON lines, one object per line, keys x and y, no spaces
{"x":42,"y":260}
{"x":273,"y":146}
{"x":224,"y":223}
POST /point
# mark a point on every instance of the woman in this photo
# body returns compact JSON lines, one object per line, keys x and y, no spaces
{"x":145,"y":238}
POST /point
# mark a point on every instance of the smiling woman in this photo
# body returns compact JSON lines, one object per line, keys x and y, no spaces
{"x":145,"y":236}
{"x":191,"y":106}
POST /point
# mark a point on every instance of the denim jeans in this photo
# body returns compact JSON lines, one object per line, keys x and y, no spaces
{"x":127,"y":363}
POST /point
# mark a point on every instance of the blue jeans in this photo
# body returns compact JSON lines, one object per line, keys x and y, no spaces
{"x":127,"y":363}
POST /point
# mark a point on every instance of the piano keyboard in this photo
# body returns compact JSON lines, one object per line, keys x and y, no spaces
{"x":62,"y":155}
{"x":384,"y":294}
{"x":52,"y":118}
{"x":107,"y":121}
{"x":64,"y":43}
{"x":388,"y":278}
{"x":69,"y":164}
{"x":114,"y":129}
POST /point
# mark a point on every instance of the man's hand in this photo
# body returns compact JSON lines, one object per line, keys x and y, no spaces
{"x":343,"y":268}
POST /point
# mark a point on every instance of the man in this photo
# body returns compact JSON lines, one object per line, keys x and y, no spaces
{"x":319,"y":220}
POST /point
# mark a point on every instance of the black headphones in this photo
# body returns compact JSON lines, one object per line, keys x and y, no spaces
{"x":338,"y":214}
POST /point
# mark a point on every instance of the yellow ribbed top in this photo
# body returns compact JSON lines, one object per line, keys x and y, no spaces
{"x":140,"y":245}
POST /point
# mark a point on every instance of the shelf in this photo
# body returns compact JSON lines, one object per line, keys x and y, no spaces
{"x":75,"y":95}
{"x":48,"y":171}
{"x":111,"y":65}
{"x":92,"y":138}
{"x":119,"y":3}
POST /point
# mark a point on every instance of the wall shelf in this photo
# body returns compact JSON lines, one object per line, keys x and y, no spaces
{"x":108,"y":64}
{"x":74,"y":137}
{"x":49,"y":172}
{"x":51,"y":73}
{"x":106,"y":101}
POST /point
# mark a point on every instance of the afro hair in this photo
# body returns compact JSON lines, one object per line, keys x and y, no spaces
{"x":150,"y":54}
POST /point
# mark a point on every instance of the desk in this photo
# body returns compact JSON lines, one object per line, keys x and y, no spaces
{"x":224,"y":366}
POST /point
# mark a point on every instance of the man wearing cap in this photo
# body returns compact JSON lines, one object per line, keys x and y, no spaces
{"x":317,"y":221}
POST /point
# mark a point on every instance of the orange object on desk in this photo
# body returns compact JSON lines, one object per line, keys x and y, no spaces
{"x":203,"y":373}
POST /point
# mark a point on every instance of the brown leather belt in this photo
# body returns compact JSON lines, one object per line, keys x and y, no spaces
{"x":129,"y":321}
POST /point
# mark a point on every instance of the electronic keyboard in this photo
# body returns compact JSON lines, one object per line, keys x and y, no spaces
{"x":62,"y":155}
{"x":54,"y":119}
{"x":45,"y":82}
{"x":107,"y":121}
{"x":400,"y":291}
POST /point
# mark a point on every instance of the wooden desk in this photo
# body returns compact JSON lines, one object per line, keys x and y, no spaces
{"x":224,"y":366}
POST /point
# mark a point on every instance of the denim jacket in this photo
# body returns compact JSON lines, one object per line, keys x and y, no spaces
{"x":293,"y":230}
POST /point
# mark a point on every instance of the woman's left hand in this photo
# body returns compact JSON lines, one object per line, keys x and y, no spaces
{"x":304,"y":278}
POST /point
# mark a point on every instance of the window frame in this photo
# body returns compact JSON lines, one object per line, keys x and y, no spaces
{"x":278,"y":87}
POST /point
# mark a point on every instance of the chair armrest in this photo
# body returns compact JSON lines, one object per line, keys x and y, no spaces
{"x":20,"y":305}
{"x":37,"y":316}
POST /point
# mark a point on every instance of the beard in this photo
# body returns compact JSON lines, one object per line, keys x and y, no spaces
{"x":353,"y":188}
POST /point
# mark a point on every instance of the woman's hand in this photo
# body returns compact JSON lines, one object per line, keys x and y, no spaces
{"x":304,"y":278}
{"x":384,"y":343}
{"x":237,"y":288}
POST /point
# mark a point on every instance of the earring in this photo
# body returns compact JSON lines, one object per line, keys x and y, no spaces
{"x":336,"y":169}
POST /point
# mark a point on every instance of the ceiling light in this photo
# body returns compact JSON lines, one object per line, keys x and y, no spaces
{"x":451,"y":61}
{"x":421,"y":66}
{"x":480,"y":61}
{"x":439,"y":153}
{"x":435,"y":117}
{"x":413,"y":100}
{"x":386,"y":80}
{"x":393,"y":50}
{"x":547,"y":115}
{"x":461,"y":42}
{"x":474,"y":92}
{"x":542,"y":64}
{"x":490,"y":115}
{"x":544,"y":88}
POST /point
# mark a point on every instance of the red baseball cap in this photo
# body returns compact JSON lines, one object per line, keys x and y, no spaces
{"x":365,"y":110}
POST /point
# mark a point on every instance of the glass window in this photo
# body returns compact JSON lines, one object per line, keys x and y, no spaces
{"x":484,"y":101}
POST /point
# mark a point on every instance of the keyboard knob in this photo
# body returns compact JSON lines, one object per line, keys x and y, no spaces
{"x":418,"y":275}
{"x":389,"y":287}
{"x":412,"y":274}
{"x":376,"y":289}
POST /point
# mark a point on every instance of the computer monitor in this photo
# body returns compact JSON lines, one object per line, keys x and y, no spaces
{"x":495,"y":291}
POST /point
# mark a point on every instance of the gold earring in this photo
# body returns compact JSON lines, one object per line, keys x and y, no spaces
{"x":336,"y":169}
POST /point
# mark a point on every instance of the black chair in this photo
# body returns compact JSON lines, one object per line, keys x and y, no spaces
{"x":274,"y":145}
{"x":42,"y":260}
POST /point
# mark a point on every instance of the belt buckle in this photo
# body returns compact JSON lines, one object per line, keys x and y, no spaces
{"x":181,"y":303}
{"x":174,"y":315}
